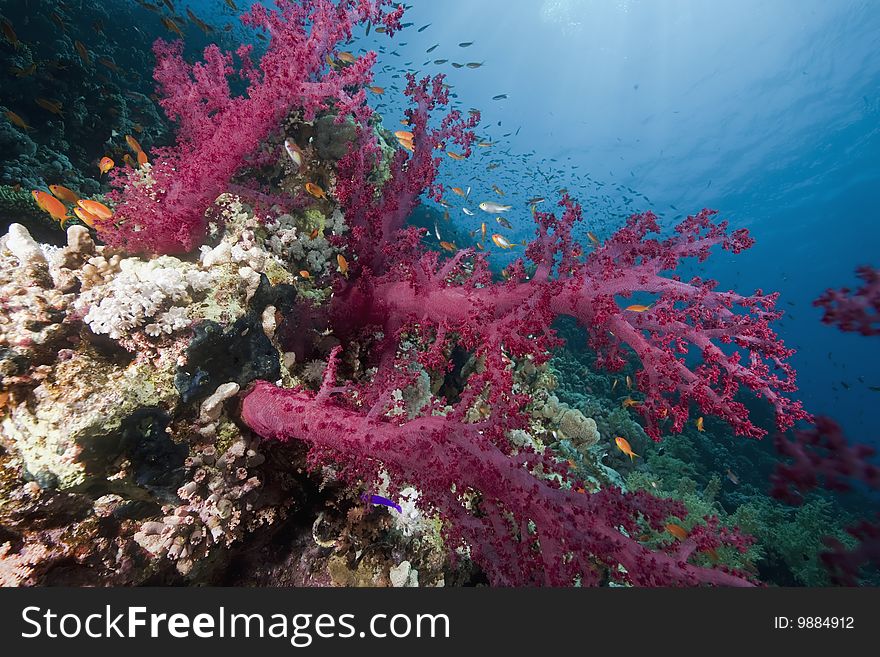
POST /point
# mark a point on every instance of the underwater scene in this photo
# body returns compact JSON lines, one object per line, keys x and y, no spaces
{"x":461,"y":293}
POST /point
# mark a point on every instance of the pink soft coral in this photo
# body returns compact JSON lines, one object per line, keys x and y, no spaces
{"x":516,"y":509}
{"x":854,"y":310}
{"x":166,"y":210}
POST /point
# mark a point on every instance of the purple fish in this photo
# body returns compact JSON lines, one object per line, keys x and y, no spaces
{"x":384,"y":501}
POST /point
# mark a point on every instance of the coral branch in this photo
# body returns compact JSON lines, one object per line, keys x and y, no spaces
{"x":162,"y":208}
{"x":522,"y":529}
{"x":821,"y":456}
{"x":854,"y":311}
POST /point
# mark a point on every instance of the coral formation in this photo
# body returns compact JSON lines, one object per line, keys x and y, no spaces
{"x":255,"y":345}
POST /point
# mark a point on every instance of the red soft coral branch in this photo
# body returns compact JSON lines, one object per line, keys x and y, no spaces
{"x":517,"y":315}
{"x":520,"y":528}
{"x":823,"y":457}
{"x":856,"y":311}
{"x":164,"y":211}
{"x":375,"y":219}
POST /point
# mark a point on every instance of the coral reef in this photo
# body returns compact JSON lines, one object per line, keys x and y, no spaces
{"x":265,"y":343}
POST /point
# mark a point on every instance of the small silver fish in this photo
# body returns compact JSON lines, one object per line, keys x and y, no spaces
{"x":494,"y":208}
{"x":467,"y":212}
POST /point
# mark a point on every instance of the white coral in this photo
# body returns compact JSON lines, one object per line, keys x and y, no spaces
{"x":153,"y":294}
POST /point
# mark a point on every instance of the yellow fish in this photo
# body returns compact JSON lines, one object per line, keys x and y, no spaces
{"x":305,"y":274}
{"x":700,"y":424}
{"x":638,"y":308}
{"x":142,"y":158}
{"x":343,"y":264}
{"x":624,"y":446}
{"x":347,"y":57}
{"x":377,"y":90}
{"x":455,"y":156}
{"x":448,"y":246}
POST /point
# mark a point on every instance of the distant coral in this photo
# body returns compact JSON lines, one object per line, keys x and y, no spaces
{"x":857,"y":310}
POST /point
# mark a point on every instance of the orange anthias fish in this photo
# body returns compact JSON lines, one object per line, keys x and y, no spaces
{"x":129,"y":161}
{"x":593,"y":238}
{"x":305,"y":274}
{"x":64,"y":194}
{"x":9,"y":33}
{"x":16,"y":120}
{"x":95,"y":208}
{"x":700,"y":424}
{"x":50,"y":204}
{"x":82,"y":51}
{"x":86,"y":217}
{"x":448,"y":246}
{"x":638,"y":308}
{"x":105,"y":164}
{"x":347,"y":57}
{"x":455,"y":156}
{"x":501,"y":241}
{"x":133,"y":143}
{"x":404,"y":134}
{"x":629,"y":401}
{"x":458,"y":190}
{"x":377,"y":90}
{"x":677,"y":530}
{"x":624,"y":446}
{"x":20,"y":72}
{"x":49,"y":105}
{"x":142,"y":158}
{"x":171,"y":26}
{"x":314,"y":190}
{"x":343,"y":264}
